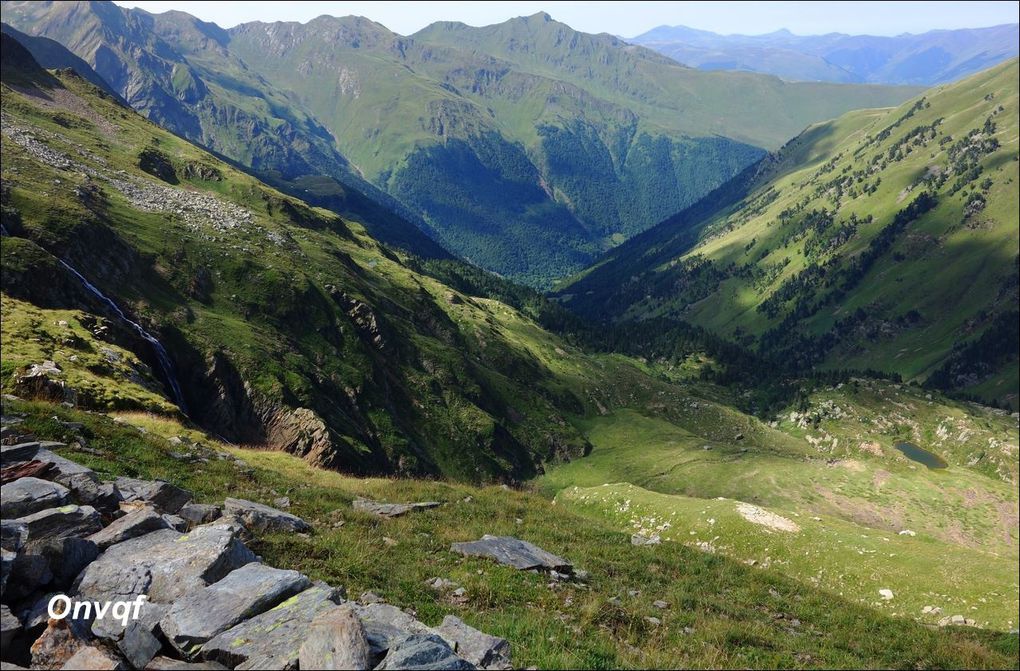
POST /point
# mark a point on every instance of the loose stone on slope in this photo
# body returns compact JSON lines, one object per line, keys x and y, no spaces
{"x":260,"y":518}
{"x":390,"y":510}
{"x":513,"y":552}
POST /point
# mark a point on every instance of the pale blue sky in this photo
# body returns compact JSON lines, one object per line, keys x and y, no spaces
{"x":628,"y":18}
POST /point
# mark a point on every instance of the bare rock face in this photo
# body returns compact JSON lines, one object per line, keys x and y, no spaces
{"x":273,"y":639}
{"x":259,"y":518}
{"x":336,"y":640}
{"x":513,"y":552}
{"x":244,"y":593}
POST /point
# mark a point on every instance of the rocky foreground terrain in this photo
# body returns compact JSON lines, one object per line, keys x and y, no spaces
{"x":209,"y":601}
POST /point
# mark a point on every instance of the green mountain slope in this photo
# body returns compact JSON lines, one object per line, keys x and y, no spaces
{"x":527,"y":146}
{"x":177,"y":71}
{"x":885,"y":240}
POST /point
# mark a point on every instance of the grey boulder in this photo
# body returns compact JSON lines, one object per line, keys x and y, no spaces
{"x":479,"y":648}
{"x":422,"y":651}
{"x":390,"y":510}
{"x":273,"y":639}
{"x":336,"y":639}
{"x":132,"y":525}
{"x":513,"y":552}
{"x":163,"y":495}
{"x":25,"y":496}
{"x":244,"y":593}
{"x":385,"y":623}
{"x":259,"y":518}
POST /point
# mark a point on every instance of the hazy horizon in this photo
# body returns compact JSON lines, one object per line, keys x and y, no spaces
{"x":627,"y":20}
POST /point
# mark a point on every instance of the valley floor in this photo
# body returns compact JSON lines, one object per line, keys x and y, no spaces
{"x":719,"y":611}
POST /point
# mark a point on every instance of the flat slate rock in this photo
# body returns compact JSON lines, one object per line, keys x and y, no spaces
{"x":336,"y":639}
{"x":130,"y":526}
{"x":425,"y":652}
{"x":24,"y":469}
{"x":477,"y":647}
{"x":513,"y":552}
{"x":30,"y":495}
{"x":244,"y":593}
{"x":66,"y":558}
{"x":390,"y":510}
{"x":62,"y":522}
{"x":273,"y":639}
{"x":163,"y":495}
{"x":259,"y":518}
{"x":164,"y":564}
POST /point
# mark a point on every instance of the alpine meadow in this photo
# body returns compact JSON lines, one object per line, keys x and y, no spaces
{"x":502,"y":344}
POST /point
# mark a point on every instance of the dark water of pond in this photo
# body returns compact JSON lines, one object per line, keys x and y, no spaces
{"x":921,"y":455}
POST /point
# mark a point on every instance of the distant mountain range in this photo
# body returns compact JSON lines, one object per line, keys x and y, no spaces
{"x":525,"y":147}
{"x":930,"y":58}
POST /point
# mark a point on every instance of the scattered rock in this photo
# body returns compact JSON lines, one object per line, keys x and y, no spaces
{"x":31,"y":495}
{"x":654,"y":621}
{"x":163,"y":495}
{"x":660,"y":604}
{"x":245,"y":592}
{"x":441,"y":584}
{"x":282,"y":502}
{"x":390,"y":510}
{"x":336,"y":640}
{"x":907,"y":532}
{"x":513,"y":552}
{"x":259,"y":518}
{"x":886,"y":594}
{"x":641,"y":539}
{"x":272,"y":640}
{"x":130,"y":526}
{"x":176,"y":523}
{"x":931,"y":610}
{"x":479,"y":648}
{"x":422,"y":651}
{"x":384,"y":624}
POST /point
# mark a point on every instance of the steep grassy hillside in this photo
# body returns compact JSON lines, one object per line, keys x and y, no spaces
{"x":884,"y":240}
{"x":719,"y":612}
{"x":530,"y":147}
{"x":286,"y":325}
{"x":176,"y":70}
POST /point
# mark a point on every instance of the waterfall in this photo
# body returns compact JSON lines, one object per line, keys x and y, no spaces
{"x":164,"y":359}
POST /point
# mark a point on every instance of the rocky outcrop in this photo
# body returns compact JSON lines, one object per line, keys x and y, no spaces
{"x":197,"y":600}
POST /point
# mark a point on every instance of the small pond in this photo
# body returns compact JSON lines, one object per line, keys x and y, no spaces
{"x":921,"y":455}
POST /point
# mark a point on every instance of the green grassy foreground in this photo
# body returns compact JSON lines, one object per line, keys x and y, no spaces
{"x":721,"y":613}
